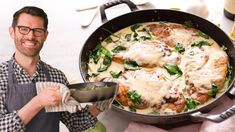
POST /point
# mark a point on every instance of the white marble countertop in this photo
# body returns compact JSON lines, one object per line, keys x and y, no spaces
{"x":66,"y":36}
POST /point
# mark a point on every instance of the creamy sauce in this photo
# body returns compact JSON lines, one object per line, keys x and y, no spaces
{"x":199,"y":66}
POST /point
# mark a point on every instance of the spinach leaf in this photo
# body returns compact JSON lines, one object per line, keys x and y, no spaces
{"x":95,"y":54}
{"x":115,"y":74}
{"x":173,"y":69}
{"x":128,"y":37}
{"x":118,"y":48}
{"x":106,"y":52}
{"x":201,"y":34}
{"x":190,"y":104}
{"x":179,"y":48}
{"x":131,"y":65}
{"x":213,"y":91}
{"x":135,"y":36}
{"x":188,"y":23}
{"x":134,"y":97}
{"x":106,"y":63}
{"x":200,"y":43}
{"x":229,"y":73}
{"x":143,"y":30}
{"x":145,"y":38}
{"x":109,"y":39}
{"x":135,"y":27}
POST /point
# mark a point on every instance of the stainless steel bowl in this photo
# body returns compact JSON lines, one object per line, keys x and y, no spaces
{"x":103,"y":90}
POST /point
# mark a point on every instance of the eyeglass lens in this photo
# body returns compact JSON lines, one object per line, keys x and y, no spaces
{"x":36,"y":31}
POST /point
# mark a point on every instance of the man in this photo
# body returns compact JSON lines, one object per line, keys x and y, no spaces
{"x":21,"y":109}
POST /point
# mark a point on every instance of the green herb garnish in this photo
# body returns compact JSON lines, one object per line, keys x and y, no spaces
{"x":106,"y":63}
{"x":115,"y":74}
{"x":135,"y":27}
{"x":200,"y":43}
{"x":134,"y":97}
{"x":190,"y":104}
{"x":173,"y":70}
{"x":201,"y":34}
{"x":109,"y":39}
{"x":118,"y":48}
{"x":96,"y":54}
{"x":213,"y":91}
{"x":179,"y":48}
{"x":188,"y":23}
{"x":106,"y":52}
{"x":229,"y":73}
{"x":145,"y":38}
{"x":128,"y":37}
{"x":131,"y":65}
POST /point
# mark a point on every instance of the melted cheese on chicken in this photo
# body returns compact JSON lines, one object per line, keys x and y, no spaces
{"x":148,"y":84}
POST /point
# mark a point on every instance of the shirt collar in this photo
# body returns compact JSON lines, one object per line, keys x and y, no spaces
{"x":21,"y":70}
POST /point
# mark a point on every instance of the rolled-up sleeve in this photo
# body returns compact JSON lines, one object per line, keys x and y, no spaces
{"x":11,"y":123}
{"x":78,"y":121}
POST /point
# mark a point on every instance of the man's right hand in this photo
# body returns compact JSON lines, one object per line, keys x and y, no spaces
{"x":50,"y":96}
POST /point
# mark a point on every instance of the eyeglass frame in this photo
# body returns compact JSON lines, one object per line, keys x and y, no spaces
{"x":37,"y":32}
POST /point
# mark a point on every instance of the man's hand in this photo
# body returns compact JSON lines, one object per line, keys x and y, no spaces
{"x":93,"y":110}
{"x":49,"y":97}
{"x":104,"y":105}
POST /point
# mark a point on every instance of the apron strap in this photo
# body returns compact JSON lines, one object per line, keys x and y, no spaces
{"x":11,"y":75}
{"x":45,"y":71}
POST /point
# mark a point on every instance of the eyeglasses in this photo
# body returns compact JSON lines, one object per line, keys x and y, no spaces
{"x":38,"y":32}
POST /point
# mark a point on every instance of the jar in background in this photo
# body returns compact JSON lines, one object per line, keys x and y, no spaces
{"x":229,"y":9}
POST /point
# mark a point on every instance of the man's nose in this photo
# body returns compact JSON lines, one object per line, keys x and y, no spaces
{"x":30,"y":34}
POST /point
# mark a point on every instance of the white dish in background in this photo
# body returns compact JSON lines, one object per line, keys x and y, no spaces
{"x":93,"y":4}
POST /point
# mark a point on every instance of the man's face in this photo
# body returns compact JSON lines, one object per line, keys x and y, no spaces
{"x":28,"y":44}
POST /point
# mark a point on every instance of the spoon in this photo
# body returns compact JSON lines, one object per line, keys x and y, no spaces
{"x":88,"y":21}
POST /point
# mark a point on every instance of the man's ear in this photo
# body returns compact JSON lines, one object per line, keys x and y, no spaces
{"x":46,"y":35}
{"x":11,"y":31}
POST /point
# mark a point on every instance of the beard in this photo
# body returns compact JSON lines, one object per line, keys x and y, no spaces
{"x":28,"y":47}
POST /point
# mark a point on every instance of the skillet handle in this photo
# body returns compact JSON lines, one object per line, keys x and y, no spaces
{"x":231,"y":93}
{"x":198,"y":116}
{"x":131,"y":5}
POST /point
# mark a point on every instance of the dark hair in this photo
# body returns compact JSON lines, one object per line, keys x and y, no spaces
{"x":32,"y":10}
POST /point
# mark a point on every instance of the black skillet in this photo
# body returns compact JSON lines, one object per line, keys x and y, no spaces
{"x":153,"y":15}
